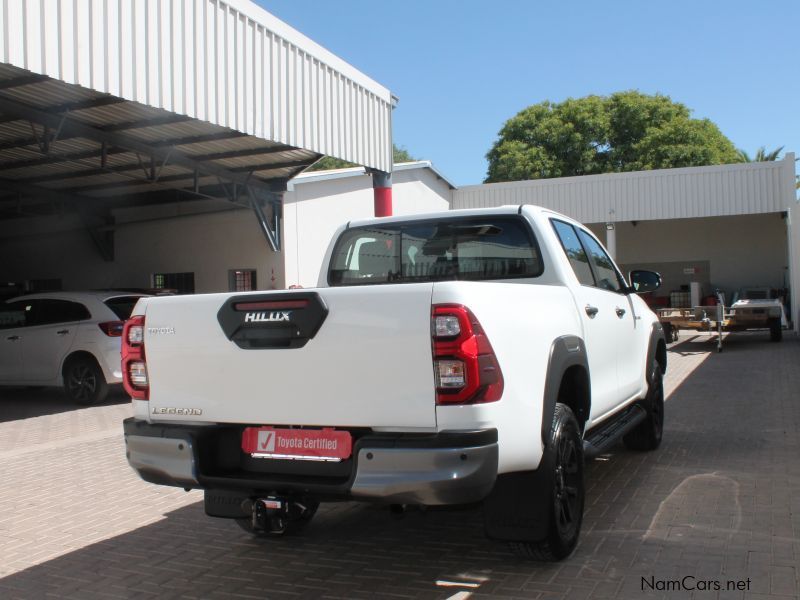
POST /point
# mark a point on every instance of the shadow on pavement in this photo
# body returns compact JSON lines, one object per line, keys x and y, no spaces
{"x":27,"y":402}
{"x":695,"y":507}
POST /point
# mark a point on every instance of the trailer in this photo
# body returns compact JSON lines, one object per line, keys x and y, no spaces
{"x":742,"y":315}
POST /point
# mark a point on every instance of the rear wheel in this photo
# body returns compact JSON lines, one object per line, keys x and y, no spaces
{"x":84,"y":381}
{"x":647,"y":435}
{"x":565,"y":504}
{"x":775,"y":330}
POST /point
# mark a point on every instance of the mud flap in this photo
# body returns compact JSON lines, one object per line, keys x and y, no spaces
{"x":518,"y":509}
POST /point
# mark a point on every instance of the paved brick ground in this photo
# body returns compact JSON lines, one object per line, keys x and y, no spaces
{"x":719,"y":501}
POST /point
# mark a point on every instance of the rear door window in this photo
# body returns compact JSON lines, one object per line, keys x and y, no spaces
{"x":122,"y":306}
{"x":466,"y":248}
{"x":574,"y":251}
{"x":606,"y":273}
{"x":15,"y":314}
{"x":48,"y":312}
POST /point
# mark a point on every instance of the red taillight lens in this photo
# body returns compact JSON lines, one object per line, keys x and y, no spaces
{"x":112,"y":328}
{"x":465,"y":367}
{"x":134,"y":365}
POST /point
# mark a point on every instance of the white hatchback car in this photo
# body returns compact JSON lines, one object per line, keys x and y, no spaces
{"x":64,"y":338}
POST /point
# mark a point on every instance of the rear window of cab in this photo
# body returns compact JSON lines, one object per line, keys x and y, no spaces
{"x":464,"y":248}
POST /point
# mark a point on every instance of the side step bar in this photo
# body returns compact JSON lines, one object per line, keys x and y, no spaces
{"x":603,"y":436}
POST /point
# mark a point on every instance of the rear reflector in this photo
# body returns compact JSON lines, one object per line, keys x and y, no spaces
{"x":465,"y":367}
{"x":134,"y":365}
{"x":138,"y":373}
{"x":112,"y":328}
{"x":450,"y":374}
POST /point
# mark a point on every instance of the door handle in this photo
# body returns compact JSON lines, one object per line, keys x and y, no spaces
{"x":12,"y":338}
{"x":591,"y":311}
{"x":620,"y":312}
{"x":62,"y":332}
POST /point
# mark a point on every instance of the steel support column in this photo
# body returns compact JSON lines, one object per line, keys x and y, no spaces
{"x":270,"y":225}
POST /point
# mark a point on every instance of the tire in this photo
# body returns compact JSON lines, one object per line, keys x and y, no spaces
{"x":300,"y":515}
{"x":565,"y":506}
{"x":668,"y":332}
{"x":84,"y":382}
{"x":775,"y":330}
{"x":647,"y":435}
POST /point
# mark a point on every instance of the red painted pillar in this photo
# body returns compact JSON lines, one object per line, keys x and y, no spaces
{"x":382,"y":191}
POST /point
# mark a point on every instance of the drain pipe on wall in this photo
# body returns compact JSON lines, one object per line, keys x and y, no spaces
{"x":382,"y":192}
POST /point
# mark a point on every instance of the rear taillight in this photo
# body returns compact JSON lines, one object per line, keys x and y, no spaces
{"x":112,"y":328}
{"x":134,"y":365}
{"x":465,"y":367}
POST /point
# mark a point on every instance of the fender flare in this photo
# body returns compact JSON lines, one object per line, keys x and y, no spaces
{"x":565,"y":352}
{"x":653,"y":352}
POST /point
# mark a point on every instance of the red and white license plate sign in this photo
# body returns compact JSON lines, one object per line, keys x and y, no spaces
{"x":319,"y":444}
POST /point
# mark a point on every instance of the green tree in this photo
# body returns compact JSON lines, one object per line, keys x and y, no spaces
{"x":400,"y":155}
{"x":626,"y":131}
{"x":761,"y":155}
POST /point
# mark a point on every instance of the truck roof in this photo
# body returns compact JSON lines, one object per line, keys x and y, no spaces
{"x":508,"y":209}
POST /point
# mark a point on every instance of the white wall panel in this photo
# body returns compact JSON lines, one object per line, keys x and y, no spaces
{"x":226,"y":62}
{"x":741,"y":189}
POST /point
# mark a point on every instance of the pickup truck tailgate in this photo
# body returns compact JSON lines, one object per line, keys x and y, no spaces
{"x":368,"y":364}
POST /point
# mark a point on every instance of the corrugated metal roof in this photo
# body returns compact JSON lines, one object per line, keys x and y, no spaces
{"x":229,"y":64}
{"x":328,"y":174}
{"x":751,"y":188}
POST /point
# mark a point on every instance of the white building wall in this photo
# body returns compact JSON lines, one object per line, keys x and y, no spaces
{"x":314,"y":210}
{"x":207,"y":245}
{"x":693,"y":192}
{"x":743,"y":251}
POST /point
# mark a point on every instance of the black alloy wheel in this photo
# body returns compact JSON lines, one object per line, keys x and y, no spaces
{"x":568,"y":481}
{"x":647,"y":435}
{"x":84,"y":382}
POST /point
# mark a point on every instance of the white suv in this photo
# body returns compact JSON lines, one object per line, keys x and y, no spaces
{"x":64,"y":338}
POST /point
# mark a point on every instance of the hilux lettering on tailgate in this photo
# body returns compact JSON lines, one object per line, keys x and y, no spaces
{"x":276,"y":317}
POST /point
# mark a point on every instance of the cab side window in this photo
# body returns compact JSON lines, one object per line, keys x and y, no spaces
{"x":574,"y":251}
{"x":605,"y":272}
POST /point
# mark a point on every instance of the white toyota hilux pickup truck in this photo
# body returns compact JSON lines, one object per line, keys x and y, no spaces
{"x":444,"y":359}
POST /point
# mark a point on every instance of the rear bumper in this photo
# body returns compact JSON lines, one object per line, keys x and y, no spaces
{"x":453,"y":467}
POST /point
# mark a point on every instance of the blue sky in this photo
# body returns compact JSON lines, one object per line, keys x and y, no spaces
{"x":462,"y":68}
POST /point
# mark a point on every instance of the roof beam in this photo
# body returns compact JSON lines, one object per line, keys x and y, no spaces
{"x":142,"y":123}
{"x":294,"y":164}
{"x":245,"y":152}
{"x":58,"y":158}
{"x":68,"y":126}
{"x":44,"y":193}
{"x":116,"y":127}
{"x":140,"y":181}
{"x":198,"y":139}
{"x":7,"y":84}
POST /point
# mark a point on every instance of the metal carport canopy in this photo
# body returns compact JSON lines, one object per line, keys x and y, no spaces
{"x":130,"y":102}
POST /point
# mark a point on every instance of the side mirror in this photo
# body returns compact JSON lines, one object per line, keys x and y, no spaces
{"x":644,"y":281}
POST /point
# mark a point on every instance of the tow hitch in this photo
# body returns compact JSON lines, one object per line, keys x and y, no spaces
{"x":273,"y":515}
